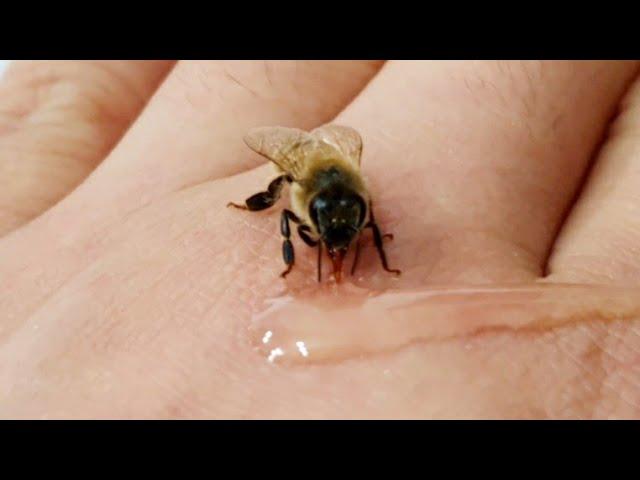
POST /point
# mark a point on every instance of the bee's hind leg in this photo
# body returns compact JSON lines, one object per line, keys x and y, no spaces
{"x":266,"y":199}
{"x":288,"y":254}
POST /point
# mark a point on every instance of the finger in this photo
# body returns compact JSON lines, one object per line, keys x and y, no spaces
{"x":485,"y":157}
{"x":600,"y":242}
{"x":192,"y":130}
{"x":58,"y":119}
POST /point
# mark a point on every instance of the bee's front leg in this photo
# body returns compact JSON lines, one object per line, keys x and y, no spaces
{"x":303,"y":231}
{"x":266,"y":199}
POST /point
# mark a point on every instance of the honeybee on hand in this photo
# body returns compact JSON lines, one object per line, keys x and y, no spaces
{"x":329,"y":199}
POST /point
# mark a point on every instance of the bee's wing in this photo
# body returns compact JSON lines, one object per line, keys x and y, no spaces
{"x":345,"y":139}
{"x":286,"y":147}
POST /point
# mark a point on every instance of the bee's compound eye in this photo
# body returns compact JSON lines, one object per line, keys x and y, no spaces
{"x":318,"y":211}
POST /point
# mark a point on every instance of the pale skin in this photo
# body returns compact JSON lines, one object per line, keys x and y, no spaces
{"x":126,"y":293}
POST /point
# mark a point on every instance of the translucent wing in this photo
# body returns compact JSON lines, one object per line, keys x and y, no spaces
{"x":286,"y":147}
{"x":345,"y":139}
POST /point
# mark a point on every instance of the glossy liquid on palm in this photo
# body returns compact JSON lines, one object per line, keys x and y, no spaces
{"x":301,"y":328}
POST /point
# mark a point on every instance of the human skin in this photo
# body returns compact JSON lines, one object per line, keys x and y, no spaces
{"x":133,"y":295}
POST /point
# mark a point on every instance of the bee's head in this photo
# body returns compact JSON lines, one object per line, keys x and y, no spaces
{"x":338,"y":215}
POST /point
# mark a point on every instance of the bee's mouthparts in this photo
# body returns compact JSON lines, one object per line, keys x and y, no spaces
{"x":337,"y":256}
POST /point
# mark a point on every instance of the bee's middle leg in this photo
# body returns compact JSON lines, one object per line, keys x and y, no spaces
{"x":303,"y":231}
{"x":356,"y":256}
{"x":378,"y":239}
{"x":359,"y":242}
{"x":266,"y":199}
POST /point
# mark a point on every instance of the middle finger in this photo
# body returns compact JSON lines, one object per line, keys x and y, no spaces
{"x":485,"y":156}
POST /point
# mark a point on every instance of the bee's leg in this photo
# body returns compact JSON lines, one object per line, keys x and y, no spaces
{"x":287,"y":247}
{"x":378,"y":242}
{"x":303,"y":231}
{"x":319,"y":262}
{"x":264,"y":200}
{"x":356,"y":257}
{"x":386,"y":236}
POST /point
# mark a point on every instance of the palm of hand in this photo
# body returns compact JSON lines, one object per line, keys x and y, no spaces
{"x":132,"y":297}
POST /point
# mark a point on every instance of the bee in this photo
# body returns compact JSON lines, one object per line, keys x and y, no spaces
{"x":330,"y":202}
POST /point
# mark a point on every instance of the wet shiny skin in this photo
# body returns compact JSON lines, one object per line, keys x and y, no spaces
{"x":364,"y":322}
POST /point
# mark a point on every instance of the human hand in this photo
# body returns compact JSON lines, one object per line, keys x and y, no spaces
{"x":135,"y":295}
